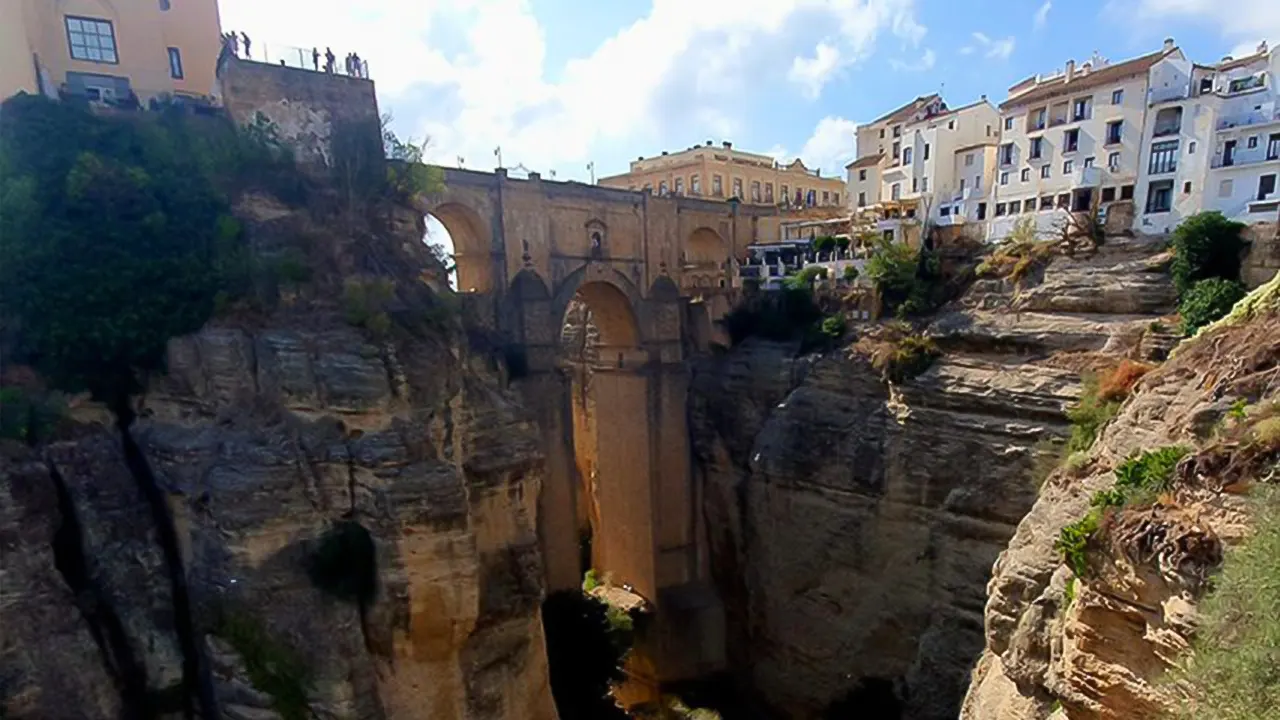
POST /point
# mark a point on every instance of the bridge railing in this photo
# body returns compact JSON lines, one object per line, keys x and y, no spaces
{"x":312,"y":58}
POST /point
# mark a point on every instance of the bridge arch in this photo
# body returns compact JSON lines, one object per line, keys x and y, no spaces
{"x":614,"y":302}
{"x":472,"y":245}
{"x":706,"y":247}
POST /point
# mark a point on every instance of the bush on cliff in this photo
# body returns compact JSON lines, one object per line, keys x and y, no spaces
{"x":1206,"y":245}
{"x":907,"y":279}
{"x":1206,"y":301}
{"x":112,"y":231}
{"x":772,"y":315}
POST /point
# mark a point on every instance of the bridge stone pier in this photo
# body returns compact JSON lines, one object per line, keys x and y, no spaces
{"x":653,"y":273}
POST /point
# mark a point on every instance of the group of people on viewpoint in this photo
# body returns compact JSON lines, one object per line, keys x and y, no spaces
{"x":354,"y":66}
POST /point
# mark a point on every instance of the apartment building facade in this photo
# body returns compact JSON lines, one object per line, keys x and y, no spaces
{"x":1072,"y":140}
{"x":724,"y":172}
{"x":109,"y":51}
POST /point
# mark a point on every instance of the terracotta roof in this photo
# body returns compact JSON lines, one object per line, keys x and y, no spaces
{"x":1239,"y":62}
{"x":1098,"y":76}
{"x":907,"y":110}
{"x":867,"y":161}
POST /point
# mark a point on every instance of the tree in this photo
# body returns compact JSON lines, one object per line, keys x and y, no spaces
{"x":824,"y":245}
{"x":804,"y":279}
{"x":1206,"y":245}
{"x":850,"y":273}
{"x":893,"y":268}
{"x":842,"y":243}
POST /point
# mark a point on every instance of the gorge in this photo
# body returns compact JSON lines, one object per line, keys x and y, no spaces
{"x":347,"y":492}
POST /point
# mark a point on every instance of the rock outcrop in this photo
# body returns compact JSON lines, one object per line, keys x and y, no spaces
{"x":172,"y":564}
{"x":854,"y":523}
{"x":1099,"y":646}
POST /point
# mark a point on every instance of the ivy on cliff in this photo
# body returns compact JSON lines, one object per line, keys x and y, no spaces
{"x":113,"y":231}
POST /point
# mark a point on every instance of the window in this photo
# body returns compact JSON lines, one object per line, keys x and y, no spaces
{"x":1088,"y":162}
{"x":1253,"y":142}
{"x":717,"y":186}
{"x":1037,"y":148}
{"x":1008,"y":123}
{"x":881,"y":133}
{"x":1030,"y":206}
{"x":1006,"y":154}
{"x":1039,"y":119}
{"x":1186,"y":188}
{"x":1064,"y":200}
{"x":737,"y":188}
{"x":1164,"y":157}
{"x":679,"y":186}
{"x":662,"y":188}
{"x":926,"y":152}
{"x":862,"y":199}
{"x":1229,"y":153}
{"x":768,"y":192}
{"x":982,"y":211}
{"x":924,"y":184}
{"x":961,"y":184}
{"x":915,"y":184}
{"x":945,"y":210}
{"x":1046,"y":202}
{"x":835,"y":198}
{"x":1026,"y":175}
{"x":1068,"y":166}
{"x":755,"y":191}
{"x":175,"y":64}
{"x":951,"y":124}
{"x":1015,"y":207}
{"x":1004,"y":178}
{"x":1266,"y":186}
{"x":1081,"y":109}
{"x":91,"y":40}
{"x":1160,"y":196}
{"x":988,"y":131}
{"x":1114,"y":130}
{"x":1117,"y":97}
{"x":1168,"y":122}
{"x":1247,"y":83}
{"x":1225,"y":188}
{"x":1206,"y":85}
{"x":811,"y":198}
{"x":826,"y":197}
{"x":968,"y":160}
{"x":977,"y":182}
{"x":1126,"y":192}
{"x":1191,"y":148}
{"x":862,"y":175}
{"x":786,"y":194}
{"x":1001,"y":209}
{"x":1108,"y":194}
{"x":897,"y":148}
{"x":1046,"y":171}
{"x":1071,"y":140}
{"x":906,"y":156}
{"x":895,"y":192}
{"x":1273,"y":146}
{"x":1113,"y":162}
{"x":695,"y":185}
{"x":897,"y":131}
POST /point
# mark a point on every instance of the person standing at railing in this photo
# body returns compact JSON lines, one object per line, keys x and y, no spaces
{"x":329,"y":59}
{"x":315,"y":58}
{"x":355,"y":66}
{"x":247,"y":54}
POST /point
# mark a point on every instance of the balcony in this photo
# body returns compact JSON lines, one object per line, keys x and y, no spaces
{"x":1249,"y":119}
{"x":955,"y":218}
{"x":1163,"y":130}
{"x":1159,"y":95}
{"x":1086,"y":177}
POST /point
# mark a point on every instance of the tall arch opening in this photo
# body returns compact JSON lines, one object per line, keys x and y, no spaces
{"x":600,"y":343}
{"x":457,"y":233}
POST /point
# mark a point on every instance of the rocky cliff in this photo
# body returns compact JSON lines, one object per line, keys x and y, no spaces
{"x":178,"y":563}
{"x":854,"y":522}
{"x":1101,"y":645}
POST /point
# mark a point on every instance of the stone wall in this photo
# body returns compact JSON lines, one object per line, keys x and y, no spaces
{"x":306,"y":105}
{"x":1263,"y":260}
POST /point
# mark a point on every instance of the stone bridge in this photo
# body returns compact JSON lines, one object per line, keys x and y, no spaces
{"x":654,"y":272}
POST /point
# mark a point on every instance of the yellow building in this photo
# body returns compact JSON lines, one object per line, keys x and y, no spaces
{"x":722,"y":172}
{"x":107,"y":49}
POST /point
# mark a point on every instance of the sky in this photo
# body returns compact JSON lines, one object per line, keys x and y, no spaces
{"x":560,"y":85}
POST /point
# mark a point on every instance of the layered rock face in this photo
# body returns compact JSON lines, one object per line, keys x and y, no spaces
{"x":1099,"y":646}
{"x":165,"y":566}
{"x":854,"y":523}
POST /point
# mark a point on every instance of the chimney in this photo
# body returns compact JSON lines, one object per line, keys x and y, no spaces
{"x":1085,"y":69}
{"x":1071,"y":70}
{"x":708,"y":143}
{"x":728,"y":145}
{"x":1262,"y":48}
{"x":664,"y":152}
{"x":1168,"y":44}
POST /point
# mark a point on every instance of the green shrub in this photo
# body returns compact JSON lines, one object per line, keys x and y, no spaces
{"x":783,"y":315}
{"x":1073,"y":541}
{"x":804,"y":279}
{"x":591,"y":580}
{"x":365,"y":301}
{"x":1089,"y":415}
{"x":824,"y":244}
{"x":1232,"y":672}
{"x":1206,"y":301}
{"x":905,"y":278}
{"x":273,"y":668}
{"x":1206,"y":245}
{"x":344,"y":563}
{"x":1069,"y":593}
{"x":850,"y":273}
{"x":833,"y":326}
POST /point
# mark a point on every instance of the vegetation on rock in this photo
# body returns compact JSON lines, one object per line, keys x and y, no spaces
{"x":1206,"y":245}
{"x":1020,"y":253}
{"x":1089,"y":415}
{"x":1117,"y":384}
{"x":899,"y":352}
{"x":1206,"y":301}
{"x":772,"y":315}
{"x":273,"y":668}
{"x":907,"y":279}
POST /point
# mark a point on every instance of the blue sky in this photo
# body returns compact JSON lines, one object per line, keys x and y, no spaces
{"x":561,"y":83}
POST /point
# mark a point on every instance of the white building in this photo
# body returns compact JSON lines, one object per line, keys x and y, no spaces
{"x":925,"y":161}
{"x":1246,"y":138}
{"x":1071,"y":138}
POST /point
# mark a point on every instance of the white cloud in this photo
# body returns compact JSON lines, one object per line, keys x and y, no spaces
{"x":473,"y":74}
{"x":998,"y":49}
{"x":925,"y":62}
{"x":832,"y":146}
{"x":1241,"y":22}
{"x":1042,"y":15}
{"x":812,"y":73}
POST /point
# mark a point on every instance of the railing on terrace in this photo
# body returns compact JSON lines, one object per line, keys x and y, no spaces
{"x":1247,"y":119}
{"x":315,"y":59}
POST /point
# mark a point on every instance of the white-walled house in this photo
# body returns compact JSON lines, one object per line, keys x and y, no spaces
{"x":1246,"y":140}
{"x":1071,"y":138}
